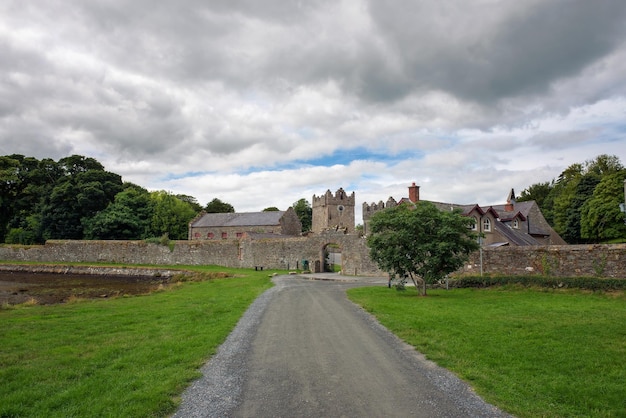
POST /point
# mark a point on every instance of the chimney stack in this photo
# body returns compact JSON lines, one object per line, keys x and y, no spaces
{"x":414,"y":193}
{"x":510,"y":202}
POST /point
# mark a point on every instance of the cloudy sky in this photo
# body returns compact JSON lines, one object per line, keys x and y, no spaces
{"x":263,"y":102}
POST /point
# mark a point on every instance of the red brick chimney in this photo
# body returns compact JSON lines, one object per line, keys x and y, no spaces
{"x":414,"y":193}
{"x":510,"y":202}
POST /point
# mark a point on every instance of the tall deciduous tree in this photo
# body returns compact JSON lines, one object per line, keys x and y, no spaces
{"x":76,"y":198}
{"x":171,"y":215}
{"x":217,"y":206}
{"x":420,"y":242}
{"x":541,"y":194}
{"x":601,"y":218}
{"x":128,"y":217}
{"x":305,"y":213}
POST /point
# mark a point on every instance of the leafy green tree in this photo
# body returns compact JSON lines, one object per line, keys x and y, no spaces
{"x":9,"y":183}
{"x":573,"y":188}
{"x":584,"y":191}
{"x":192,"y":201}
{"x":420,"y":242}
{"x":271,"y":209}
{"x":540,"y":193}
{"x":217,"y":206}
{"x":601,"y":218}
{"x":305,"y":213}
{"x":604,"y":165}
{"x":128,"y":217}
{"x":76,"y":198}
{"x":79,"y":164}
{"x":171,"y":216}
{"x":24,"y":183}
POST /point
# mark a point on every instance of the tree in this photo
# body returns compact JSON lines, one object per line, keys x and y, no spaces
{"x":574,"y":187}
{"x":171,"y":216}
{"x":305,"y":214}
{"x":192,"y":201}
{"x":128,"y":217}
{"x":271,"y":209}
{"x":76,"y":198}
{"x":540,"y":193}
{"x":420,"y":242}
{"x":601,"y":218}
{"x":217,"y":206}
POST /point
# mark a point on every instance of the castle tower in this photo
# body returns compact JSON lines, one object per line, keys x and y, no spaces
{"x":333,"y":211}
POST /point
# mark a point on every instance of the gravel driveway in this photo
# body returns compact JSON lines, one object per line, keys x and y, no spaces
{"x":302,"y":349}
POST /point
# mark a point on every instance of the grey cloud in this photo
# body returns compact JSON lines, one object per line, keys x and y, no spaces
{"x":474,"y":55}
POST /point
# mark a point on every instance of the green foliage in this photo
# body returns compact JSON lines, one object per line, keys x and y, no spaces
{"x":544,"y":281}
{"x":575,"y":209}
{"x":128,"y":217}
{"x":75,"y":198}
{"x":171,"y":215}
{"x":217,"y":206}
{"x":420,"y":242}
{"x":78,"y":196}
{"x":271,"y":209}
{"x":191,"y":201}
{"x":305,"y":213}
{"x":601,"y":218}
{"x":538,"y":192}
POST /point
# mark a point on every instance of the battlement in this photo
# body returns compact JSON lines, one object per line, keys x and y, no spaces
{"x":339,"y":198}
{"x":333,"y":211}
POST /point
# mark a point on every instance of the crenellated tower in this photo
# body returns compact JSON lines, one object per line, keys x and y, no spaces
{"x":333,"y":211}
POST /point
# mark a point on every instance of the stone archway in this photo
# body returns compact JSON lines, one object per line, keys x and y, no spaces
{"x":331,"y":260}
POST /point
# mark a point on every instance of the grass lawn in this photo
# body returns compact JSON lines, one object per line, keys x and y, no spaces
{"x":130,"y":356}
{"x":533,"y":353}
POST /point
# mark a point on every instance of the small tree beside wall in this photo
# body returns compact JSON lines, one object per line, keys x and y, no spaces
{"x":420,"y":242}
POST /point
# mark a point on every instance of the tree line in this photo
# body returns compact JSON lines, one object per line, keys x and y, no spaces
{"x":583,"y":203}
{"x":76,"y":198}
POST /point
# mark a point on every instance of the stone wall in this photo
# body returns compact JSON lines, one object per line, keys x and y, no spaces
{"x":289,"y":253}
{"x":553,"y":260}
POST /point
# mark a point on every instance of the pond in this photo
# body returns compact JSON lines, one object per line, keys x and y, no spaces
{"x":51,"y":288}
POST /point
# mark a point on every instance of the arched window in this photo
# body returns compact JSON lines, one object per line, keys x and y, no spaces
{"x":474,"y":224}
{"x":487,"y":225}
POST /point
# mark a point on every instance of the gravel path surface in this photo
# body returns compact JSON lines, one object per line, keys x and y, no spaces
{"x":255,"y":374}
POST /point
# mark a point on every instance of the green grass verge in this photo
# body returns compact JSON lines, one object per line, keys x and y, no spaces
{"x":534,"y":353}
{"x":130,"y":356}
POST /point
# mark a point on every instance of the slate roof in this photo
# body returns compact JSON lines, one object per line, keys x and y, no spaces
{"x":515,"y":236}
{"x":536,"y":224}
{"x":239,"y":219}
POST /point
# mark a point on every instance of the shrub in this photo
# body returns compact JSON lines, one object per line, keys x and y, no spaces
{"x":587,"y":283}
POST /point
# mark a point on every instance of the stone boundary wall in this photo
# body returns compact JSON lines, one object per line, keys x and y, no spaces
{"x":598,"y":260}
{"x":91,"y":270}
{"x":289,"y":253}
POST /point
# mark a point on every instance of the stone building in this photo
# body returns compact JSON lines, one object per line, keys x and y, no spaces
{"x":333,"y":212}
{"x":513,"y":223}
{"x":207,"y":226}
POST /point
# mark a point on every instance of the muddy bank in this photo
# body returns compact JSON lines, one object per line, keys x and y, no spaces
{"x":51,"y":284}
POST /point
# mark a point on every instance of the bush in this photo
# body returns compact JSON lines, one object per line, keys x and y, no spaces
{"x":587,"y":283}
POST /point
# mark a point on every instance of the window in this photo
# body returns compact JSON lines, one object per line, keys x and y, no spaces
{"x":515,"y":223}
{"x":224,"y":235}
{"x":474,"y":223}
{"x":239,"y":234}
{"x":210,"y":235}
{"x":487,"y":225}
{"x":196,"y":235}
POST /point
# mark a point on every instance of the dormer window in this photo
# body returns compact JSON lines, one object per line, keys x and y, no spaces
{"x":474,"y":223}
{"x":487,"y":225}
